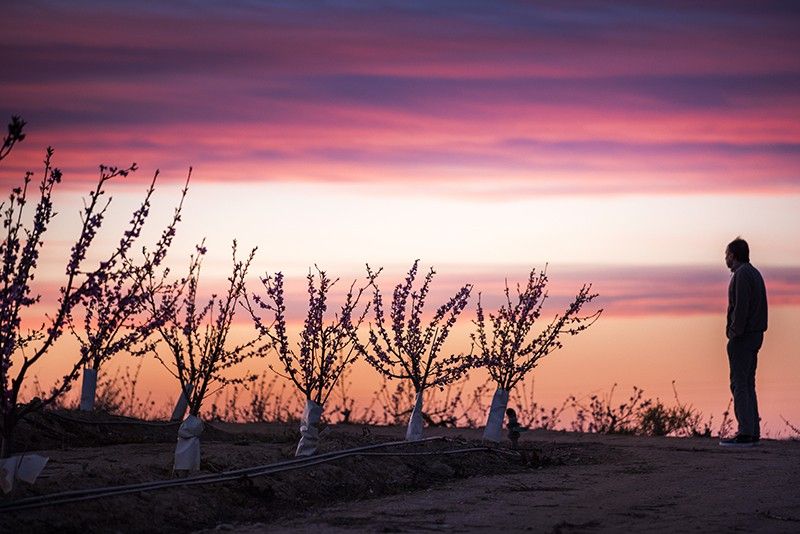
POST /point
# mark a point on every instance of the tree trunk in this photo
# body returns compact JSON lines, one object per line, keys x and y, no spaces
{"x":180,"y":407}
{"x":309,"y":431}
{"x":88,"y":389}
{"x":414,"y":430}
{"x":497,"y":412}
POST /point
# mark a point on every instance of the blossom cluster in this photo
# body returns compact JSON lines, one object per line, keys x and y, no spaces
{"x":412,"y":351}
{"x":114,"y":307}
{"x":326,"y":348}
{"x":509,"y":351}
{"x":196,"y":333}
{"x":14,"y":136}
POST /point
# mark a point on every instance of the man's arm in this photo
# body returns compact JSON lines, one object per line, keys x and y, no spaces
{"x":743,"y":294}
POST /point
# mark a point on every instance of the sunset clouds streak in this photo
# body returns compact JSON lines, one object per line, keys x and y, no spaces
{"x":527,"y":99}
{"x":625,"y":291}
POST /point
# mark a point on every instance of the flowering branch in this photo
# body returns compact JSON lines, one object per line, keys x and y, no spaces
{"x":112,"y":321}
{"x":411,"y":351}
{"x":324,"y":351}
{"x":511,"y":353}
{"x":20,"y":251}
{"x":13,"y":137}
{"x":196,"y":334}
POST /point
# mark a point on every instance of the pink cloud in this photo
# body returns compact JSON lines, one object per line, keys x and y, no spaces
{"x":556,"y":100}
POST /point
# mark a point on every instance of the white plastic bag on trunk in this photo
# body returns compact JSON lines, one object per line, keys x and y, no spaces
{"x":309,"y":431}
{"x":88,"y":389}
{"x":497,"y":412}
{"x":414,"y":430}
{"x":187,"y":451}
{"x":26,"y":468}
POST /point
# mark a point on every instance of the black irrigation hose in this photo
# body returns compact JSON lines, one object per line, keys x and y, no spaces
{"x":236,"y":474}
{"x":212,"y":477}
{"x":425,"y":453}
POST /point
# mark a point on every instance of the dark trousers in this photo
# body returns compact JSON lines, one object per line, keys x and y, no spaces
{"x":743,"y":357}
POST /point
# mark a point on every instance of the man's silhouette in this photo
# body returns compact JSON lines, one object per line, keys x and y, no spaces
{"x":747,"y":322}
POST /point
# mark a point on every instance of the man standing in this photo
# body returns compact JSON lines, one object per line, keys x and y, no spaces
{"x":747,"y":322}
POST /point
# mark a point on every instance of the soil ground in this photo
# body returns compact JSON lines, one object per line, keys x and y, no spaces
{"x":575,"y":483}
{"x":638,"y":485}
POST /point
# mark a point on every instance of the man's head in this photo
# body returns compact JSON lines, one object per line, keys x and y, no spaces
{"x":736,"y":253}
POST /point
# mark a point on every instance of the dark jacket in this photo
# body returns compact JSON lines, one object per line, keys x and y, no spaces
{"x":747,"y":302}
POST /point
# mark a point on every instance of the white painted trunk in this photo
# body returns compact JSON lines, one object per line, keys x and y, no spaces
{"x":309,"y":429}
{"x":414,"y":430}
{"x":25,"y":467}
{"x":187,"y":451}
{"x":88,"y":389}
{"x":497,"y":412}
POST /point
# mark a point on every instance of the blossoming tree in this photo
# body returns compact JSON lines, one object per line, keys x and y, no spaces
{"x":196,"y":337}
{"x":114,"y":318}
{"x":412,"y":351}
{"x":507,"y":347}
{"x":23,"y":347}
{"x":325,"y":349}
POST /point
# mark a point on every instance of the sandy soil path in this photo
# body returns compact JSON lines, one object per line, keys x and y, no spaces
{"x":639,"y":484}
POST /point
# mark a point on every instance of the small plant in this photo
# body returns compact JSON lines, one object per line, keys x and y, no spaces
{"x":726,"y":426}
{"x":343,"y":406}
{"x":118,"y":394}
{"x":324,"y":352}
{"x":270,"y":401}
{"x":507,"y":348}
{"x":450,"y":406}
{"x":681,"y":419}
{"x":602,"y":416}
{"x":643,"y":416}
{"x":793,"y":428}
{"x":411,"y":351}
{"x":531,"y":414}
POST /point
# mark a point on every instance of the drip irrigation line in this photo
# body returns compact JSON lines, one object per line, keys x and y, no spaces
{"x":440,"y":453}
{"x":232,"y":475}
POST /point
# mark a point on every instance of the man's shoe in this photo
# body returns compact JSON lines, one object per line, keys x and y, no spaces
{"x":739,"y":441}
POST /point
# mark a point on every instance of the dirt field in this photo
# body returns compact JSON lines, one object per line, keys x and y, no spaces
{"x":575,"y":483}
{"x":637,"y":485}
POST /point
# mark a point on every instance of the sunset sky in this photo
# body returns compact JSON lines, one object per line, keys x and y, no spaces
{"x":622,"y":143}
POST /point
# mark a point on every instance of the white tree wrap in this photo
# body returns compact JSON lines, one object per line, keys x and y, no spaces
{"x":497,"y":412}
{"x":414,"y":431}
{"x":309,"y":431}
{"x":187,"y":451}
{"x":88,"y":389}
{"x":25,"y":467}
